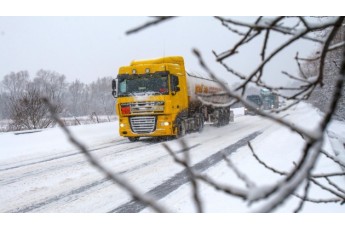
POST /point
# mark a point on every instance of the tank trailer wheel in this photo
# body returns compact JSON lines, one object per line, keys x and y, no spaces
{"x":200,"y":123}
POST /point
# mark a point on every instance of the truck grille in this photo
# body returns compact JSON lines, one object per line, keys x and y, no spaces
{"x":141,"y":124}
{"x":146,"y":107}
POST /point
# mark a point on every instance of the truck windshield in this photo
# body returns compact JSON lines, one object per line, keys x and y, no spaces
{"x":143,"y":84}
{"x":254,"y":99}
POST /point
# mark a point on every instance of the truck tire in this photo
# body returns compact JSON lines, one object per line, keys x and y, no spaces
{"x":133,"y":139}
{"x":181,"y":129}
{"x":232,"y":116}
{"x":216,"y":118}
{"x":200,"y":122}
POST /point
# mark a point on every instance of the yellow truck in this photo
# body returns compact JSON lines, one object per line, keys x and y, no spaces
{"x":158,"y":98}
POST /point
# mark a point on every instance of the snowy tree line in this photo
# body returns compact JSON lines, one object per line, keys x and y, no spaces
{"x":21,"y":99}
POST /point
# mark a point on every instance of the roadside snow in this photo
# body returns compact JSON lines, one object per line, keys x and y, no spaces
{"x":279,"y":148}
{"x":52,"y":141}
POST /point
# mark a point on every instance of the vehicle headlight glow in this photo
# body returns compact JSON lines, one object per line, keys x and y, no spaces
{"x":122,"y":125}
{"x":165,"y":123}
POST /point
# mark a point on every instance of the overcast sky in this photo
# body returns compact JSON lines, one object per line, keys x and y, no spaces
{"x":86,"y":48}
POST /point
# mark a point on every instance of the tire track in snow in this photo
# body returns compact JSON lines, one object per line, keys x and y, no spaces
{"x":181,"y":178}
{"x":35,"y":172}
{"x":87,"y":187}
{"x":92,"y":184}
{"x":58,"y":197}
{"x":57,"y":157}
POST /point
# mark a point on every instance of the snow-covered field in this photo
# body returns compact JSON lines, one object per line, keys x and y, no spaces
{"x":5,"y":125}
{"x":43,"y":172}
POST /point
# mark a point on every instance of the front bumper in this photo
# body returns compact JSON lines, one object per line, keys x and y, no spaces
{"x":141,"y":126}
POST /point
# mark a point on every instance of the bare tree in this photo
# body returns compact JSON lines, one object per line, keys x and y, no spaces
{"x":89,"y":99}
{"x":15,"y":83}
{"x":13,"y":86}
{"x":101,"y":101}
{"x":51,"y":85}
{"x":70,"y":99}
{"x":21,"y":98}
{"x":30,"y":112}
{"x":3,"y":106}
{"x":78,"y":99}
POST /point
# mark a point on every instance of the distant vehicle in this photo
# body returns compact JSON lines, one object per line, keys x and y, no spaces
{"x":266,"y":100}
{"x":269,"y":100}
{"x":158,"y":98}
{"x":254,"y":100}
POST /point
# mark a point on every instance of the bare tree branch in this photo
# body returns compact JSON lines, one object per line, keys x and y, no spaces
{"x":148,"y":24}
{"x":330,"y":200}
{"x":264,"y":164}
{"x":186,"y":163}
{"x":249,"y":184}
{"x":341,"y":196}
{"x":335,"y":159}
{"x":335,"y":185}
{"x":230,"y":190}
{"x":303,"y":199}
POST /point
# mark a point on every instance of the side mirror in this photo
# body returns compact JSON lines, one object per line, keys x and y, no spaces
{"x":113,"y":86}
{"x":174,"y":84}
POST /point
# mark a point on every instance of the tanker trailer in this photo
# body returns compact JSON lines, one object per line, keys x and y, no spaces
{"x":158,"y":98}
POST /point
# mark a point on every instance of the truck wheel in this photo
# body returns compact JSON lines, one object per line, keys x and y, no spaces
{"x":201,"y":123}
{"x":231,"y":118}
{"x":216,"y":117}
{"x":181,"y":129}
{"x":133,"y":139}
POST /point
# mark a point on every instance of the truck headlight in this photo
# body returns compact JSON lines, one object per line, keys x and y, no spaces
{"x":165,"y":123}
{"x":122,"y":125}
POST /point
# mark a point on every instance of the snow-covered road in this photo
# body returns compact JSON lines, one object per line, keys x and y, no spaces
{"x":43,"y":172}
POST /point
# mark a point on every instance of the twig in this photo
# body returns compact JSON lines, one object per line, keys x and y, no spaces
{"x":245,"y":39}
{"x":303,"y":199}
{"x":230,"y":190}
{"x":148,"y":24}
{"x":335,"y":159}
{"x":249,"y":184}
{"x":305,"y":23}
{"x":328,"y":189}
{"x":264,"y":164}
{"x":330,"y":200}
{"x":186,"y":164}
{"x":335,"y":185}
{"x":328,"y":175}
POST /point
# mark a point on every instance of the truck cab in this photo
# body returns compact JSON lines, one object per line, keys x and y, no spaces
{"x":151,"y":94}
{"x":255,"y":101}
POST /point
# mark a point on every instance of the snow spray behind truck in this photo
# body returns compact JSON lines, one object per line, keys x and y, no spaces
{"x":157,"y":98}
